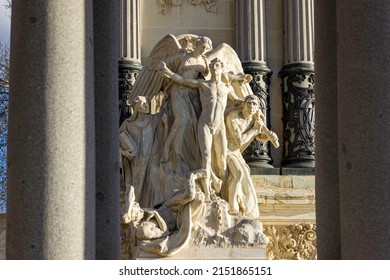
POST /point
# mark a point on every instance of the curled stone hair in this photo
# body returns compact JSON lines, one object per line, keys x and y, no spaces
{"x":206,"y":41}
{"x":215,"y":60}
{"x":251,"y":97}
{"x":139,"y":99}
{"x":136,"y":101}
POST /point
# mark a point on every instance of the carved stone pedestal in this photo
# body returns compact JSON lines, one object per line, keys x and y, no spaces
{"x":287,"y":211}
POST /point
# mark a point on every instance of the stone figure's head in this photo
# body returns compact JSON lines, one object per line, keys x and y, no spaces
{"x":251,"y":104}
{"x":203,"y":45}
{"x":141,"y":105}
{"x":216,"y":66}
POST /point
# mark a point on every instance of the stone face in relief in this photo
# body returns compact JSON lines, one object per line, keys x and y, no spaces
{"x":187,"y":182}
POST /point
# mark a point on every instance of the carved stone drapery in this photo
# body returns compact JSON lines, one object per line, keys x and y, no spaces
{"x":291,"y":242}
{"x":298,"y":115}
{"x":128,"y":72}
{"x":257,"y":154}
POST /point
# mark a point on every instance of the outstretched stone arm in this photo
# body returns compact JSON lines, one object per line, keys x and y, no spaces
{"x":243,"y":78}
{"x":192,"y":83}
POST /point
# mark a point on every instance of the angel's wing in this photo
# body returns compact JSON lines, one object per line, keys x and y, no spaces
{"x":149,"y":81}
{"x":232,"y":65}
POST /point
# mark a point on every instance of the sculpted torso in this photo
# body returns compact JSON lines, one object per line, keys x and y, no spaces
{"x":213,"y":97}
{"x":239,"y":130}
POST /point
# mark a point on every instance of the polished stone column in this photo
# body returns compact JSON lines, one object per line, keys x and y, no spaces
{"x":363,"y":68}
{"x":51,"y":136}
{"x":105,"y":15}
{"x":327,"y":163}
{"x":129,"y":52}
{"x":352,"y":182}
{"x":251,"y":48}
{"x":298,"y":83}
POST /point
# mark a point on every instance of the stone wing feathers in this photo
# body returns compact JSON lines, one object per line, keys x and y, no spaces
{"x":149,"y":81}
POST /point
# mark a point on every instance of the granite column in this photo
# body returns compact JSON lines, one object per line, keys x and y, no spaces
{"x":327,"y":163}
{"x":358,"y":67}
{"x":105,"y":15}
{"x":51,"y":152}
{"x":363,"y":66}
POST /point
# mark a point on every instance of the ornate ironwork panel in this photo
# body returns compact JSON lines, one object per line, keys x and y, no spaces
{"x":128,"y":72}
{"x":298,"y":116}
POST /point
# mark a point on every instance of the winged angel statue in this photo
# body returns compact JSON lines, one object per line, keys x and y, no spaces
{"x":174,"y":161}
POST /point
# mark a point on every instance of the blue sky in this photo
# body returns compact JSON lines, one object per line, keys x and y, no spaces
{"x":5,"y":23}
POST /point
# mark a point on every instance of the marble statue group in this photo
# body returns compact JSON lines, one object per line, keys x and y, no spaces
{"x":187,"y":184}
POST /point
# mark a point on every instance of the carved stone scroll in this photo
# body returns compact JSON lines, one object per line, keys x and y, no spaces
{"x":292,"y":242}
